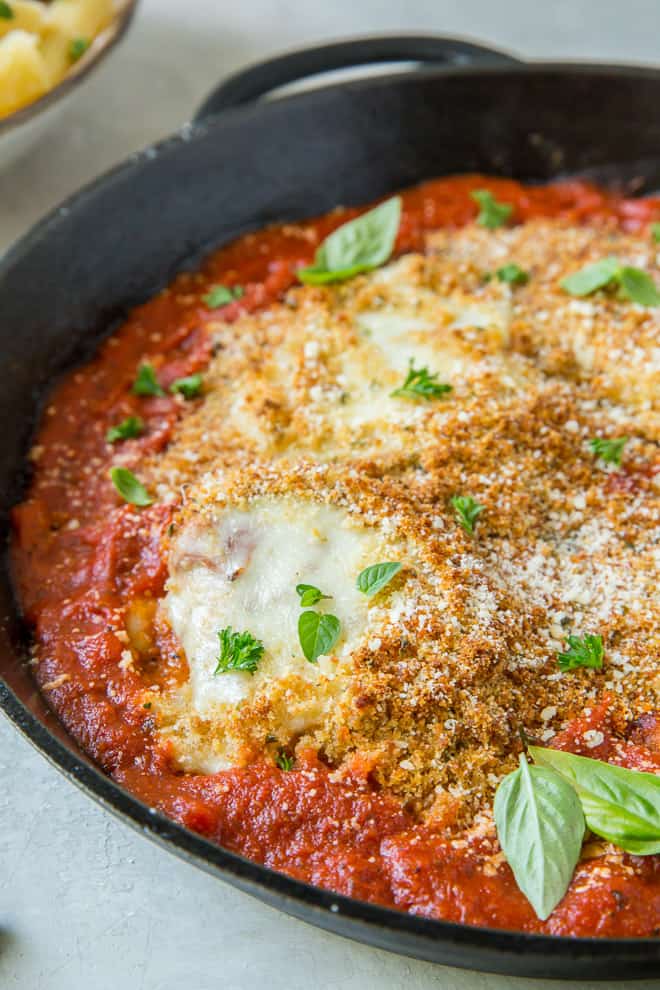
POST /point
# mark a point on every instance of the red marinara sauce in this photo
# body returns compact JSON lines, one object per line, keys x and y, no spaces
{"x":82,"y":561}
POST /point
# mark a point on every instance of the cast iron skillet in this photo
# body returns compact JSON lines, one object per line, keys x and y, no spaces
{"x":69,"y":281}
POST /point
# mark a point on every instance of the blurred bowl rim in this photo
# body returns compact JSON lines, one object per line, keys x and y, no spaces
{"x":101,"y":46}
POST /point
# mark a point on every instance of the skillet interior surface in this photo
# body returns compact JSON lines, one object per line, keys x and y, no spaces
{"x":69,"y":281}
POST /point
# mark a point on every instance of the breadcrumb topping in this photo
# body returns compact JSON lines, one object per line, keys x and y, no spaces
{"x":460,"y":652}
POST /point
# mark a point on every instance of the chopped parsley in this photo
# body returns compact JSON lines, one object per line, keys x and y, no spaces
{"x":6,"y":12}
{"x":284,"y":761}
{"x":146,"y":383}
{"x":222,"y":295}
{"x":77,"y":48}
{"x":467,"y":511}
{"x":188,"y":387}
{"x":419,"y":384}
{"x":128,"y":486}
{"x":130,"y":427}
{"x":513,"y":274}
{"x":238,"y":651}
{"x":491,"y":213}
{"x":309,"y":595}
{"x":583,"y":651}
{"x":609,"y":451}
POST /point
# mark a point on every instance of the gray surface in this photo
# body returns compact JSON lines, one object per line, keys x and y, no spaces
{"x":84,"y":902}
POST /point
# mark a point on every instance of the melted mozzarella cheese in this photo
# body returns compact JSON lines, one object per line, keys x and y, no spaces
{"x":241,"y":570}
{"x":415,"y":328}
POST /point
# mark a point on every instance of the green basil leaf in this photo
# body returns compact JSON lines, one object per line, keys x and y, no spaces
{"x":622,"y":806}
{"x":592,"y":277}
{"x":6,"y":13}
{"x":540,"y":826}
{"x":128,"y":486}
{"x":146,"y":383}
{"x":188,"y":387}
{"x":130,"y":427}
{"x":309,"y":595}
{"x":373,"y":579}
{"x":513,"y":274}
{"x":318,"y":633}
{"x":222,"y":295}
{"x":491,"y":213}
{"x":638,"y":286}
{"x":357,"y":246}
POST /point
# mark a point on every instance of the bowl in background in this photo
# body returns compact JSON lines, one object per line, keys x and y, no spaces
{"x":22,"y":129}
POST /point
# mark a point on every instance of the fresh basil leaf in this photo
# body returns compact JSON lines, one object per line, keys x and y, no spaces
{"x":633,"y":283}
{"x":513,"y":274}
{"x":357,"y":246}
{"x":639,"y":287}
{"x":318,"y":633}
{"x":128,"y":486}
{"x":146,"y":383}
{"x":309,"y":595}
{"x":130,"y":427}
{"x":6,"y":13}
{"x":77,"y":48}
{"x":621,"y":806}
{"x":540,"y":826}
{"x":188,"y":387}
{"x":373,"y":579}
{"x":491,"y":214}
{"x":222,"y":295}
{"x":592,"y":277}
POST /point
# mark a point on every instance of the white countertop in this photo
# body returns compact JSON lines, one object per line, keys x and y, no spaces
{"x":85,"y":903}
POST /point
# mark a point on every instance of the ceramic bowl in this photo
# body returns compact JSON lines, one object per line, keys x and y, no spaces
{"x":21,"y":130}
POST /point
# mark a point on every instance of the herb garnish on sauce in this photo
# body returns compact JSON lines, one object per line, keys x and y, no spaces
{"x":222,"y":295}
{"x":130,"y":489}
{"x":357,"y":246}
{"x":491,"y":213}
{"x":146,"y":383}
{"x":130,"y":427}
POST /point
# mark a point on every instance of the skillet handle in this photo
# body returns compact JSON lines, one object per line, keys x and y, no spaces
{"x":261,"y":78}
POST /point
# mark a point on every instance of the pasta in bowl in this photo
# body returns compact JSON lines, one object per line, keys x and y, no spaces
{"x":45,"y":51}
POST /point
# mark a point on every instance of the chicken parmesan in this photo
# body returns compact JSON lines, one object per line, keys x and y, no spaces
{"x":344,"y":552}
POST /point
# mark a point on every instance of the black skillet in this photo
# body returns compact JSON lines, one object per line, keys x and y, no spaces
{"x":68,"y":282}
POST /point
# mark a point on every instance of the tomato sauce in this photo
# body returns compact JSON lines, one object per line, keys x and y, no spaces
{"x":81,"y":557}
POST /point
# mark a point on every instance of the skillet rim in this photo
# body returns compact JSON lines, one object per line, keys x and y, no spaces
{"x":465,"y":946}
